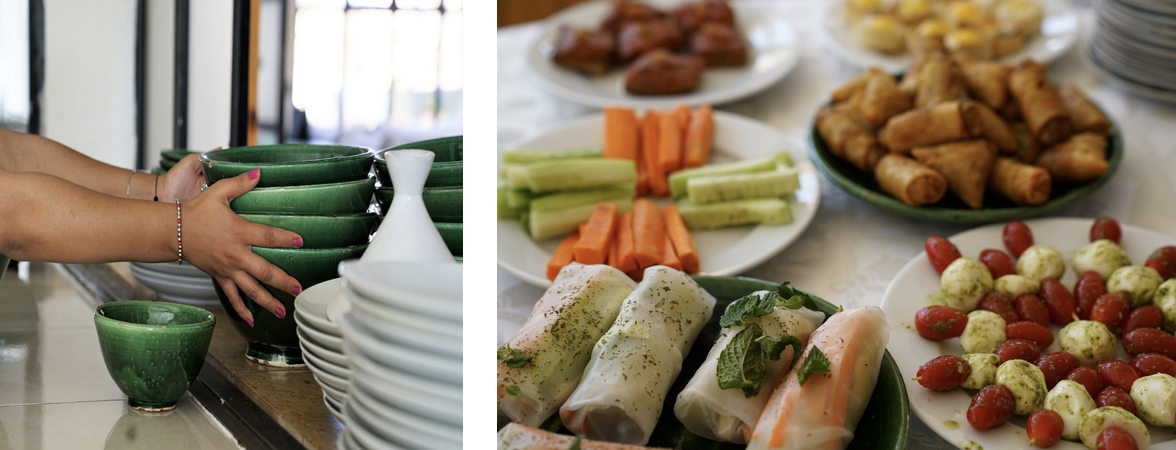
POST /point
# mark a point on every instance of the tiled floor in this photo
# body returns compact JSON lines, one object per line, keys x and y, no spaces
{"x":54,"y":388}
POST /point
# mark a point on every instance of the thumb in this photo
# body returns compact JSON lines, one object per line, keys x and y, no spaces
{"x":237,"y":186}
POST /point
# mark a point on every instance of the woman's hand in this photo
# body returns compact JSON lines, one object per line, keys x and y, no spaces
{"x":183,"y":181}
{"x":219,"y":242}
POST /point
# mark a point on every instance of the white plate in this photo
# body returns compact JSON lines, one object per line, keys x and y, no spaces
{"x":185,"y":300}
{"x":423,"y":396}
{"x":1120,"y":81}
{"x":447,"y":332}
{"x":723,"y":252}
{"x":773,"y":51}
{"x":337,"y":411}
{"x":334,"y":397}
{"x":179,"y":279}
{"x":909,"y":290}
{"x":332,"y":343}
{"x":326,"y":378}
{"x":413,"y":361}
{"x":313,"y":303}
{"x":404,"y":427}
{"x":362,"y":432}
{"x":178,"y":290}
{"x":410,"y":336}
{"x":433,"y":289}
{"x":322,"y":364}
{"x":1059,"y":32}
{"x":183,"y":269}
{"x":308,"y":320}
{"x":320,"y":351}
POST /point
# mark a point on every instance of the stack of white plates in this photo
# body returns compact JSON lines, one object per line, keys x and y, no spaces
{"x":317,"y":311}
{"x":1134,"y":46}
{"x":179,"y":283}
{"x":403,"y":338}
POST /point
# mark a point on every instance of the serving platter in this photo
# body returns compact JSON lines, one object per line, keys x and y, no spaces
{"x":909,"y":291}
{"x":727,"y":251}
{"x":773,"y":51}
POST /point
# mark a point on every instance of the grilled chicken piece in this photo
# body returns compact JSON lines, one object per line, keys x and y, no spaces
{"x":660,"y":72}
{"x":719,"y":45}
{"x":584,"y":50}
{"x":636,"y":38}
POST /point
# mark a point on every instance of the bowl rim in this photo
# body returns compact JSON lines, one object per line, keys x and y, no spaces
{"x":209,"y":322}
{"x":314,"y":187}
{"x":434,"y":189}
{"x":412,"y":146}
{"x":280,"y":250}
{"x":215,"y":155}
{"x":316,"y":217}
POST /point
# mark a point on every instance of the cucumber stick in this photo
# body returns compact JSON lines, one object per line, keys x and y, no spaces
{"x":516,"y":177}
{"x":718,"y":188}
{"x":533,"y":156}
{"x":559,"y":222}
{"x":569,"y":199}
{"x":504,"y":209}
{"x":709,"y":216}
{"x":678,"y":179}
{"x":583,"y":173}
{"x":518,"y":198}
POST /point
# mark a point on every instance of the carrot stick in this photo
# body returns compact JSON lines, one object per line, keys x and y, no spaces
{"x":669,"y":143}
{"x":649,"y":152}
{"x":636,"y":274}
{"x":626,"y":260}
{"x":682,"y":113}
{"x":642,"y":174}
{"x":612,"y":250}
{"x":597,"y":234}
{"x":699,"y":137}
{"x":683,"y":242}
{"x":671,"y":259}
{"x":648,"y":232}
{"x":621,"y":133}
{"x":562,"y":256}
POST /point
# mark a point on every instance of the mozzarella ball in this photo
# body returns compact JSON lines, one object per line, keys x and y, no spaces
{"x":983,"y":370}
{"x":964,"y":283}
{"x":1165,"y":298}
{"x":984,"y":332}
{"x":1013,"y":285}
{"x":1099,"y":419}
{"x":1071,"y":401}
{"x":1089,"y":341}
{"x":881,"y":33}
{"x":1138,"y":283}
{"x":1020,"y":16}
{"x":1039,"y":262}
{"x":1155,"y":399}
{"x":1026,"y":382}
{"x":1103,"y":256}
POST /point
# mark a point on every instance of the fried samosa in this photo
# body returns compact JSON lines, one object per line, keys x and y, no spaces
{"x":1081,"y":158}
{"x":987,"y":81}
{"x":1084,"y":116}
{"x":964,"y":164}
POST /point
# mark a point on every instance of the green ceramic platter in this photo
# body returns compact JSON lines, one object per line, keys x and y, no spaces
{"x":451,"y":234}
{"x":443,"y":204}
{"x":153,"y":350}
{"x":951,"y":210}
{"x":348,"y":197}
{"x":167,"y":164}
{"x":290,"y":164}
{"x":273,"y":340}
{"x":176,"y":154}
{"x":885,"y":425}
{"x":339,"y":230}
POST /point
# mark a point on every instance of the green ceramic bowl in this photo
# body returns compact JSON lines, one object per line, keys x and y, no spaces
{"x":167,"y":164}
{"x":158,"y":171}
{"x":272,"y":340}
{"x":446,"y":149}
{"x":951,"y":210}
{"x":348,"y":197}
{"x":153,"y":350}
{"x":451,"y":234}
{"x":443,"y":204}
{"x":177,"y":154}
{"x":290,"y":164}
{"x":447,"y":161}
{"x":339,"y":230}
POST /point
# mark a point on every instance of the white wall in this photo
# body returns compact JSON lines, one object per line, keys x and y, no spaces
{"x":210,"y":67}
{"x":161,"y":39}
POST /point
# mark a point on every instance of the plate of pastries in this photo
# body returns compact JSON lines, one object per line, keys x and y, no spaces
{"x":661,"y":53}
{"x":964,"y":141}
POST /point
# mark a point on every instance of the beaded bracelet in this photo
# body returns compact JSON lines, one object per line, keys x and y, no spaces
{"x":179,"y":233}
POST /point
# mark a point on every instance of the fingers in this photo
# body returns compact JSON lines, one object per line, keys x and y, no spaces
{"x":259,"y":295}
{"x":265,"y":236}
{"x":230,"y":289}
{"x":237,"y":186}
{"x":271,"y":275}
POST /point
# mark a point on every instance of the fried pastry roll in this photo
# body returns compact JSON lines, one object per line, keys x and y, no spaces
{"x":964,"y":164}
{"x":1024,"y":184}
{"x":849,"y":136}
{"x":852,"y":87}
{"x":929,"y":125}
{"x":1027,"y":146}
{"x":994,"y":128}
{"x":987,"y":81}
{"x":1081,"y":158}
{"x":939,"y":81}
{"x":1040,"y":103}
{"x":881,"y":98}
{"x":909,"y":180}
{"x":1084,"y":116}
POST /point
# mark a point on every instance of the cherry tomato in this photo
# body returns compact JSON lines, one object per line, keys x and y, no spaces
{"x":1088,"y":378}
{"x":943,"y":373}
{"x":1118,"y":374}
{"x":940,"y":322}
{"x":1149,"y":340}
{"x":1032,"y":308}
{"x":999,"y":263}
{"x":1044,"y":428}
{"x":941,"y":252}
{"x":1106,"y":228}
{"x":1055,"y":366}
{"x":1031,"y":331}
{"x":1115,"y":438}
{"x":1114,"y":396}
{"x":1058,"y":301}
{"x":1017,"y":237}
{"x":1163,"y":260}
{"x":992,"y":406}
{"x":1144,"y":317}
{"x":996,"y":302}
{"x":1152,"y":363}
{"x":1089,"y":287}
{"x":1018,"y":349}
{"x":1111,"y":309}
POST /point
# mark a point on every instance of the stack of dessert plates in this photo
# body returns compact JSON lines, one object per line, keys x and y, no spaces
{"x":178,"y":283}
{"x":317,"y":311}
{"x":403,"y":338}
{"x":1134,"y":46}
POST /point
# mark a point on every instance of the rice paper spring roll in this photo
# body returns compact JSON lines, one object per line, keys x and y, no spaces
{"x":909,"y":180}
{"x":516,"y":436}
{"x":823,"y":411}
{"x":725,"y":408}
{"x":1084,"y":116}
{"x":1023,"y":184}
{"x":1081,"y":158}
{"x":1041,"y":106}
{"x":929,"y":125}
{"x":849,"y":136}
{"x":542,"y":363}
{"x":988,"y":81}
{"x":635,"y":363}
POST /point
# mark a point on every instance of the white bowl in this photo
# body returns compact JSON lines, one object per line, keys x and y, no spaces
{"x":326,"y":378}
{"x":335,"y":407}
{"x":206,"y":303}
{"x":184,"y":269}
{"x":404,"y":427}
{"x":185,"y":289}
{"x":333,"y":343}
{"x":392,"y":355}
{"x":365,"y":438}
{"x":433,"y":289}
{"x":308,"y":345}
{"x":334,"y":397}
{"x":423,"y":396}
{"x":322,"y":364}
{"x":313,"y":303}
{"x":402,"y":330}
{"x":396,"y":317}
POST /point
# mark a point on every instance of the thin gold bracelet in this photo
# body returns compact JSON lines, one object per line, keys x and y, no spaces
{"x":129,"y":183}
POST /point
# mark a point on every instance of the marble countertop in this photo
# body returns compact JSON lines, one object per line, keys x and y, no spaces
{"x":852,"y":249}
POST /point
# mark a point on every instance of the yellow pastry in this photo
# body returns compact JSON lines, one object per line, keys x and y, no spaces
{"x":913,"y":11}
{"x":964,"y":15}
{"x":882,"y":33}
{"x":966,"y":43}
{"x":1019,"y":17}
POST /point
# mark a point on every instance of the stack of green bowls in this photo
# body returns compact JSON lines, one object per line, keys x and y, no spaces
{"x":169,"y":158}
{"x":443,"y":189}
{"x":321,"y":192}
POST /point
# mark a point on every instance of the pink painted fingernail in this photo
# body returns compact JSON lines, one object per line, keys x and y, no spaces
{"x":297,"y":290}
{"x":254,"y":173}
{"x":297,"y":243}
{"x":250,"y":322}
{"x":281,"y":313}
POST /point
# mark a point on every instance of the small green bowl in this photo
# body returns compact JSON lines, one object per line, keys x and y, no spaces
{"x":348,"y":197}
{"x":153,"y":350}
{"x":339,"y":230}
{"x":176,"y":154}
{"x":167,"y":164}
{"x":451,"y":234}
{"x":290,"y":164}
{"x":447,"y":161}
{"x":443,"y":204}
{"x":273,"y":340}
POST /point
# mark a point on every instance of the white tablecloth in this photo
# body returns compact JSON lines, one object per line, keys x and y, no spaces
{"x":852,"y":249}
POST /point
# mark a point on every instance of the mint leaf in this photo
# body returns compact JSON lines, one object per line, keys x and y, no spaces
{"x":748,"y":307}
{"x":514,"y":390}
{"x":513,"y":357}
{"x":741,"y":364}
{"x":814,"y":362}
{"x":794,"y":302}
{"x":576,"y":442}
{"x":774,"y":347}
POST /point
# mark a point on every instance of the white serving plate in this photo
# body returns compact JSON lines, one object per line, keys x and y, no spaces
{"x":320,"y":351}
{"x":423,"y":395}
{"x":189,"y":290}
{"x":332,"y":343}
{"x":411,"y":337}
{"x":328,"y":379}
{"x":185,"y":300}
{"x":432,"y":289}
{"x":337,"y":411}
{"x":445,"y":331}
{"x":1119,"y":80}
{"x":1060,"y":29}
{"x":183,"y":269}
{"x":773,"y":51}
{"x":404,"y":427}
{"x":728,"y":251}
{"x":334,"y":397}
{"x":322,"y":364}
{"x":917,"y":281}
{"x":392,"y":355}
{"x":313,"y":303}
{"x":364,"y":437}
